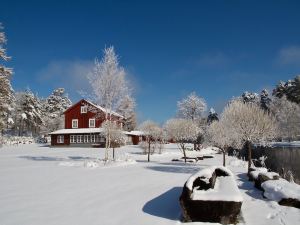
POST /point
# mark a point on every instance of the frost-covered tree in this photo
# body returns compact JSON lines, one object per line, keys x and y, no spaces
{"x":53,"y":109}
{"x":221,"y":135}
{"x":290,"y":89}
{"x":152,"y":133}
{"x":117,"y":136}
{"x":127,"y":110}
{"x":6,"y":91}
{"x":265,"y":100}
{"x":191,"y":107}
{"x":182,"y":131}
{"x":109,"y":85}
{"x":28,"y":113}
{"x":250,"y":124}
{"x":287,"y":114}
{"x":212,"y":116}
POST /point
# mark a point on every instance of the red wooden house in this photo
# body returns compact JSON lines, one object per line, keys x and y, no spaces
{"x":83,"y":123}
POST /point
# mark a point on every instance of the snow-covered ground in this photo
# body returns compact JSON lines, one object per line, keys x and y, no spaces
{"x":61,"y":186}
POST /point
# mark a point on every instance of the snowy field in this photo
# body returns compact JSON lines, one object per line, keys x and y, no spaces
{"x":68,"y":186}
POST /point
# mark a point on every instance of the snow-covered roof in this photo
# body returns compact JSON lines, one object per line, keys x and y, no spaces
{"x":135,"y":133}
{"x":78,"y":131}
{"x":225,"y":188}
{"x":104,"y":110}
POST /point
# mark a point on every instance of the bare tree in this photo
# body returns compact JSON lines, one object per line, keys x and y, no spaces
{"x":109,"y":86}
{"x":249,"y":124}
{"x":182,"y":131}
{"x":151,"y":132}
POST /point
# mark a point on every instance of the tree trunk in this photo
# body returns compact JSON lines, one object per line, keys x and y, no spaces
{"x":184,"y":155}
{"x":224,"y":155}
{"x":113,"y":153}
{"x":149,"y":145}
{"x":249,"y":155}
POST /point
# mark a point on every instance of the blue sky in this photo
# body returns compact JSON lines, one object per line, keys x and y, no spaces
{"x":170,"y":48}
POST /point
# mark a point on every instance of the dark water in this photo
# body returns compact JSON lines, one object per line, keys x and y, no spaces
{"x":287,"y":158}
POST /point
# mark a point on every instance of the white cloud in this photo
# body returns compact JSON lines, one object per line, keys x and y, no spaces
{"x":68,"y":74}
{"x":290,"y":55}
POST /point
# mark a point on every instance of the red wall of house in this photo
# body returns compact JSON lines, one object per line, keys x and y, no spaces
{"x":74,"y":112}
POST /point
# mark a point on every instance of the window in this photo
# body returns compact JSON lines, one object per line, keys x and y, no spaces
{"x":93,"y":138}
{"x":60,"y":139}
{"x":83,"y":109}
{"x":75,"y":123}
{"x":72,"y":139}
{"x":79,"y":138}
{"x":91,"y":122}
{"x":86,"y":138}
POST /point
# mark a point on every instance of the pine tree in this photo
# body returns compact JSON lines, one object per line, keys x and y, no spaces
{"x":6,"y":91}
{"x":28,"y":113}
{"x":53,"y":109}
{"x":250,"y":97}
{"x":290,"y":89}
{"x":265,"y":100}
{"x":212,"y":116}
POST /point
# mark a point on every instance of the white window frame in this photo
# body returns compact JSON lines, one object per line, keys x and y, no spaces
{"x":83,"y":109}
{"x":86,"y":138}
{"x":90,"y":120}
{"x":79,"y":138}
{"x":92,"y":138}
{"x":60,"y":139}
{"x":74,"y":120}
{"x":72,"y":139}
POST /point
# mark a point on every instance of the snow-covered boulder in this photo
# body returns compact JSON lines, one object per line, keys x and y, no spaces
{"x":282,"y":191}
{"x":254,"y":172}
{"x":211,"y":195}
{"x":265,"y":176}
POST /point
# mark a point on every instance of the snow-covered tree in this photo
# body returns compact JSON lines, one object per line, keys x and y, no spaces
{"x":221,"y":135}
{"x":109,"y":85}
{"x":152,"y":133}
{"x":117,"y":136}
{"x":28,"y":113}
{"x":6,"y":91}
{"x":212,"y":116}
{"x":182,"y":131}
{"x":53,"y":109}
{"x":191,"y":107}
{"x":250,"y":97}
{"x":290,"y":89}
{"x":127,"y":110}
{"x":287,"y":114}
{"x":265,"y":100}
{"x":249,"y":124}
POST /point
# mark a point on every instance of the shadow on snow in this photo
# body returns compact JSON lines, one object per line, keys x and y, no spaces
{"x":47,"y":158}
{"x":165,"y":205}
